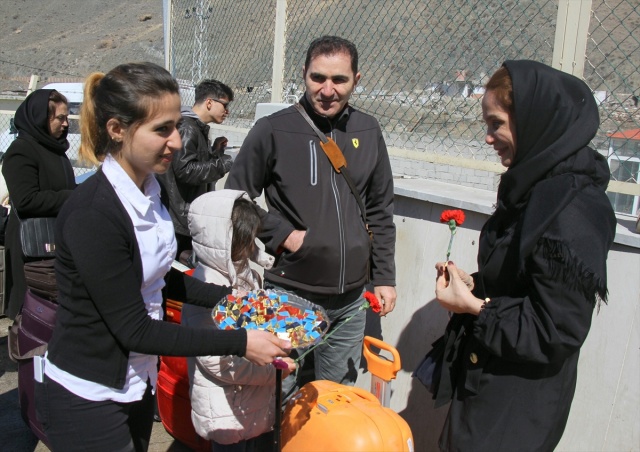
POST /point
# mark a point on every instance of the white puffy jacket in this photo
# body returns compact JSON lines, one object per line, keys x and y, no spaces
{"x":231,"y":399}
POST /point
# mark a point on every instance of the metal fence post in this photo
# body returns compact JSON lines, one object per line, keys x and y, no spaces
{"x":570,"y":46}
{"x":33,"y":83}
{"x":167,"y":9}
{"x":278,"y":51}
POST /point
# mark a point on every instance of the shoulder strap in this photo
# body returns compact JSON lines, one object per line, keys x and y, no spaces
{"x":339,"y":163}
{"x":327,"y":144}
{"x":305,"y":115}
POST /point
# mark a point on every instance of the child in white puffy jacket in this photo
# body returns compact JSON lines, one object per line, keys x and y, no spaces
{"x":232,"y":400}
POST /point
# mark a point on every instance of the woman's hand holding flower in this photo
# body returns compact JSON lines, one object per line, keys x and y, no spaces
{"x":464,"y":276}
{"x":453,"y":292}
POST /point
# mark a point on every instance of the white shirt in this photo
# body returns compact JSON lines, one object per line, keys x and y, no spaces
{"x":156,"y":241}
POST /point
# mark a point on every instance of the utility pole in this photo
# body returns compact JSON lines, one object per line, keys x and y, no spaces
{"x":200,"y":46}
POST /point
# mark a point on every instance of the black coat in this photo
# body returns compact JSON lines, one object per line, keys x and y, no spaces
{"x":511,"y":371}
{"x":39,"y":179}
{"x":193,"y":167}
{"x":282,"y":157}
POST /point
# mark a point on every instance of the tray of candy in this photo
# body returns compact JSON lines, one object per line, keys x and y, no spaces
{"x":285,"y":314}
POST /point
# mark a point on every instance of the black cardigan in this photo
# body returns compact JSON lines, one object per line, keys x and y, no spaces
{"x":102,"y":316}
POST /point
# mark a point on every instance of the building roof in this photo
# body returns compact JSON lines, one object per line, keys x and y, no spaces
{"x":632,"y":134}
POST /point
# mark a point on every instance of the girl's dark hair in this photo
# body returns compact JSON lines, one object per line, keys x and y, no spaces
{"x":56,"y":97}
{"x":502,"y":85}
{"x":245,"y":219}
{"x":126,"y":93}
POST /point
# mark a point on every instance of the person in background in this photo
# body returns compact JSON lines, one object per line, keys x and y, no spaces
{"x":197,"y":166}
{"x":114,"y":246}
{"x":513,"y":342}
{"x":38,"y":175}
{"x":314,"y":225}
{"x":233,"y":400}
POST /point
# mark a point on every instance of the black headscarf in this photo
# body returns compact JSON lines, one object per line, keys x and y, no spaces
{"x":32,"y":119}
{"x":556,"y":117}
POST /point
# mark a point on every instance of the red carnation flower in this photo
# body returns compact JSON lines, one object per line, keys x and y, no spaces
{"x":455,"y":215}
{"x":374,"y":303}
{"x":453,"y":218}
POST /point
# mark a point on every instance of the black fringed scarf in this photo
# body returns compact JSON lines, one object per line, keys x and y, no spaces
{"x":556,"y":118}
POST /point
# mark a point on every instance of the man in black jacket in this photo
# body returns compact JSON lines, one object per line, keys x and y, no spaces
{"x":197,"y":164}
{"x":314,"y":225}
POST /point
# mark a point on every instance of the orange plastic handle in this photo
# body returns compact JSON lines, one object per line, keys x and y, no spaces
{"x":378,"y":365}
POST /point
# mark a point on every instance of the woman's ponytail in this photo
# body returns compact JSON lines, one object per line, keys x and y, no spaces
{"x":89,"y":130}
{"x":124,"y":94}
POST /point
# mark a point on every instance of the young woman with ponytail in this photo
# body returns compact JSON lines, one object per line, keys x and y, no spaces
{"x":115,"y":245}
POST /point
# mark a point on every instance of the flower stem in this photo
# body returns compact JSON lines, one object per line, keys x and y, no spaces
{"x":325,"y":337}
{"x":453,"y":233}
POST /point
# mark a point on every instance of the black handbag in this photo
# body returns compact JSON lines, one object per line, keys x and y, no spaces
{"x":429,"y":371}
{"x":32,"y":328}
{"x":37,"y":236}
{"x":29,"y":337}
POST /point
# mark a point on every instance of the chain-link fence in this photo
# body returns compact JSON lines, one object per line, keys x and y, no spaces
{"x":423,"y":64}
{"x":612,"y":71}
{"x":231,"y":41}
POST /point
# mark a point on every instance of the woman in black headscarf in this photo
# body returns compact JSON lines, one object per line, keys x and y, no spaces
{"x":39,"y":177}
{"x":512,"y":345}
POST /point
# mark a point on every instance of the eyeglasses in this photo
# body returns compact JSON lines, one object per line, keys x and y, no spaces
{"x":62,"y":118}
{"x":225,"y":104}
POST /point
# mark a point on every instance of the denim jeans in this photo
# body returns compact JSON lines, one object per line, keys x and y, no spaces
{"x":338,"y":359}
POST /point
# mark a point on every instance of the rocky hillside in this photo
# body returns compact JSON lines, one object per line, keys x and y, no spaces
{"x":64,"y":40}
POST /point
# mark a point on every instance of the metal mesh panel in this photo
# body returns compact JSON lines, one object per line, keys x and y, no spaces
{"x":6,"y":132}
{"x":423,"y":65}
{"x":611,"y":69}
{"x":422,"y":60}
{"x":231,"y":41}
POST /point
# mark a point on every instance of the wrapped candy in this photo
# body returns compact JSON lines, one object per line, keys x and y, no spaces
{"x":286,"y":315}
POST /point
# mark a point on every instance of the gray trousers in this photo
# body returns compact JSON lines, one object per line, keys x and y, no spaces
{"x":338,"y":359}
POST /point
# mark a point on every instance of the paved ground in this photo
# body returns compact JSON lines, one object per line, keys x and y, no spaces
{"x":15,"y":436}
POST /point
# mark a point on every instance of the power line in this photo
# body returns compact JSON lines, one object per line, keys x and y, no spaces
{"x":39,"y":68}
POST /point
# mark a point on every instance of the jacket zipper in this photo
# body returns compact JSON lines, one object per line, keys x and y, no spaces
{"x":313,"y":159}
{"x":341,"y":235}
